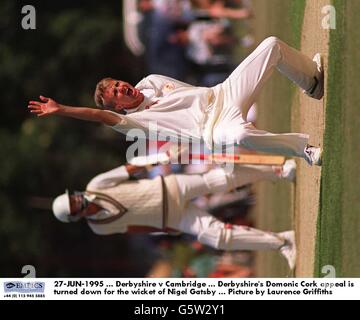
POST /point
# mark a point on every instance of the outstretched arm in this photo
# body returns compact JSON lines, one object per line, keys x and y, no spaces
{"x":48,"y":106}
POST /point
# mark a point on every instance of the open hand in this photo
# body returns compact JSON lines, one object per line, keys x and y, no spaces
{"x":47,"y":107}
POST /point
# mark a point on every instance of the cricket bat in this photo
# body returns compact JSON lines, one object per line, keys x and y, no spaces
{"x":164,"y":158}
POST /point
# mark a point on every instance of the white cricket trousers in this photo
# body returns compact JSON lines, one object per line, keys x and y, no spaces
{"x":241,"y":89}
{"x":207,"y":228}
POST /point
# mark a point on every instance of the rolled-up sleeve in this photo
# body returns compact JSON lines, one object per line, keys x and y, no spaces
{"x":109,"y":179}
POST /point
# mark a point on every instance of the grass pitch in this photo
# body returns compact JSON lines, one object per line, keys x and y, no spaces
{"x":275,"y":205}
{"x":338,"y":227}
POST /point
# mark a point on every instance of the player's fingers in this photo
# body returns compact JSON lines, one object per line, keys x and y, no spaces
{"x":34,"y":102}
{"x":44,"y":98}
{"x":33,"y":107}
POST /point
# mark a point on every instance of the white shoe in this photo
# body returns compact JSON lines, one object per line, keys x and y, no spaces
{"x":288,"y":250}
{"x":317,"y":91}
{"x":289,"y":170}
{"x":313,"y":155}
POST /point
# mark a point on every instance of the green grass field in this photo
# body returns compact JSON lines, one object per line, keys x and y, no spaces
{"x":338,"y":225}
{"x":338,"y":228}
{"x":276,"y":201}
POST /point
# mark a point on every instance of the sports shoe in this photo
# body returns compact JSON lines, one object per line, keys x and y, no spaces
{"x":288,"y":171}
{"x":288,"y":250}
{"x":317,"y":90}
{"x":313,"y":155}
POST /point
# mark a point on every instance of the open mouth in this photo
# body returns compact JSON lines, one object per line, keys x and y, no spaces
{"x":129,"y":92}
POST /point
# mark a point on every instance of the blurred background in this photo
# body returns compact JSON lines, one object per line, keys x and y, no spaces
{"x":76,"y":44}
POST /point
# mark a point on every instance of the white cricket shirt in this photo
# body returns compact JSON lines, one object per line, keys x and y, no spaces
{"x":177,"y":108}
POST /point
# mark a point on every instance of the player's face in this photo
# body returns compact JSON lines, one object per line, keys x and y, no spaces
{"x":122,"y":95}
{"x":80,"y":207}
{"x":76,"y":204}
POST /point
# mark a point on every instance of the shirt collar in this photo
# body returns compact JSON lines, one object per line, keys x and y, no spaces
{"x":90,"y":198}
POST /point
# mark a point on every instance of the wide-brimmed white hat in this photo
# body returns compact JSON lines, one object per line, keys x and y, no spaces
{"x":61,"y":207}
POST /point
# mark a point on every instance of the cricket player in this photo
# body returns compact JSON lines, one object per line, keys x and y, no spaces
{"x":114,"y":204}
{"x":216,"y":115}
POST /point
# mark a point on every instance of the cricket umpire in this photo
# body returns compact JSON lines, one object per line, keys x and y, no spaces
{"x":113,"y":204}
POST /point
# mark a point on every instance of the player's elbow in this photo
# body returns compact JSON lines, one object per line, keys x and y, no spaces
{"x":107,"y":118}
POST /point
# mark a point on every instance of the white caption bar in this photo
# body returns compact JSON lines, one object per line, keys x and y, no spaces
{"x":179,"y":289}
